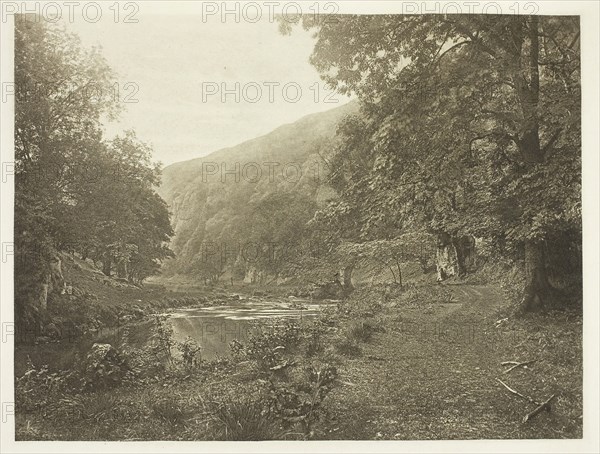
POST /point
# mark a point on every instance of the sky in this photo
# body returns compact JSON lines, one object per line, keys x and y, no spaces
{"x":177,"y":76}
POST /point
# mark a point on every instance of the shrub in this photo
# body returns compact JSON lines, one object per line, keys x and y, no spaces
{"x":104,"y":367}
{"x":162,"y":343}
{"x":244,"y":420}
{"x":298,"y":401}
{"x":268,"y":343}
{"x":39,"y":386}
{"x":313,"y":338}
{"x":361,"y":330}
{"x":97,"y":407}
{"x":190,"y":352}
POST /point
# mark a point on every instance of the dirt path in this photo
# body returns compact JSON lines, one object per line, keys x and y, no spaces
{"x":431,"y":375}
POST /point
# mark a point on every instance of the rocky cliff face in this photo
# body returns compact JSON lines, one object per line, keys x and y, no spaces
{"x":454,"y":256}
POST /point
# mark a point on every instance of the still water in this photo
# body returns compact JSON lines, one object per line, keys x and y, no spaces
{"x":214,"y":328}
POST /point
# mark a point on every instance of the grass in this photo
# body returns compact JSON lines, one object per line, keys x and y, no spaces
{"x":361,"y":331}
{"x":243,"y":420}
{"x":348,"y":347}
{"x":421,"y":366}
{"x":431,"y":375}
{"x":168,"y":411}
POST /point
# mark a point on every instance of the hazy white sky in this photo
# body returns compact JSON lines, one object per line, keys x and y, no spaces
{"x":171,"y":59}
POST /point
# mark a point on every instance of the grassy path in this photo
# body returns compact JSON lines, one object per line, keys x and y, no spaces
{"x":431,"y":375}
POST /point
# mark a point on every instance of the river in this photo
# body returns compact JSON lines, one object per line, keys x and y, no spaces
{"x":213,"y":328}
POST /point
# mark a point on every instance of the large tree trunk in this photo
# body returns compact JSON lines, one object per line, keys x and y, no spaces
{"x":465,"y":251}
{"x":537,"y":289}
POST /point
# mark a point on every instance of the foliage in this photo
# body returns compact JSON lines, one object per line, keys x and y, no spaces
{"x":162,"y":342}
{"x":190,"y":351}
{"x":295,"y":389}
{"x":469,"y":125}
{"x":168,"y":411}
{"x":104,"y":366}
{"x":361,"y":330}
{"x":313,"y":338}
{"x":267,"y":344}
{"x":39,"y":386}
{"x":299,"y":401}
{"x":75,"y":191}
{"x":347,"y":347}
{"x":392,"y":253}
{"x":244,"y":419}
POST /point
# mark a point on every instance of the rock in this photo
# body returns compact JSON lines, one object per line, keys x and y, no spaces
{"x":104,"y":366}
{"x":454,"y":255}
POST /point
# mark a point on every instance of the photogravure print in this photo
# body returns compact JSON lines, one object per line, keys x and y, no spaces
{"x":292,"y":221}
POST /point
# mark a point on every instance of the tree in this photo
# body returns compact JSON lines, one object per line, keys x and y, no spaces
{"x":473,"y":123}
{"x":391,"y":254}
{"x":74,"y":191}
{"x":127,"y":223}
{"x":56,"y":124}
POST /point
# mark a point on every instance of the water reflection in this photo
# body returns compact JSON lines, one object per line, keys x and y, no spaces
{"x":215,"y":327}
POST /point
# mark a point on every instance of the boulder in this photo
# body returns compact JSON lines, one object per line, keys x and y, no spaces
{"x":104,"y":366}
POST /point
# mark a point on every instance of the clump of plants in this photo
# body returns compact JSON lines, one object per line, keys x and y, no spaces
{"x":162,"y":342}
{"x":190,"y":352}
{"x":298,"y":400}
{"x":168,"y":410}
{"x":39,"y":386}
{"x":105,"y":367}
{"x":244,"y":420}
{"x":267,"y":344}
{"x":294,"y":390}
{"x":361,"y":330}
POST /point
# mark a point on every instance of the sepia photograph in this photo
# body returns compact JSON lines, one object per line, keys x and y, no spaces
{"x":304,"y":223}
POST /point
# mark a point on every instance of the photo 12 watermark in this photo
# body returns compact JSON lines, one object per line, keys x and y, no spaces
{"x":270,"y":91}
{"x":69,"y":12}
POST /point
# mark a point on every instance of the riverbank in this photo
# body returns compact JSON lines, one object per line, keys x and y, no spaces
{"x":421,"y":363}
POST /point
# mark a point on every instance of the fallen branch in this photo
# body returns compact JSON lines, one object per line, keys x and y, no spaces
{"x":525,"y":363}
{"x":517,"y":393}
{"x":543,"y":406}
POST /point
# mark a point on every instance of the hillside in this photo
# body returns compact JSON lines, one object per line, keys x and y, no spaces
{"x":212,"y":197}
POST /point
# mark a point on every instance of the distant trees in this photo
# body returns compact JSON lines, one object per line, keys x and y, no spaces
{"x":391,"y":255}
{"x":266,"y":235}
{"x":470,"y":125}
{"x":74,"y":191}
{"x":124,"y":223}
